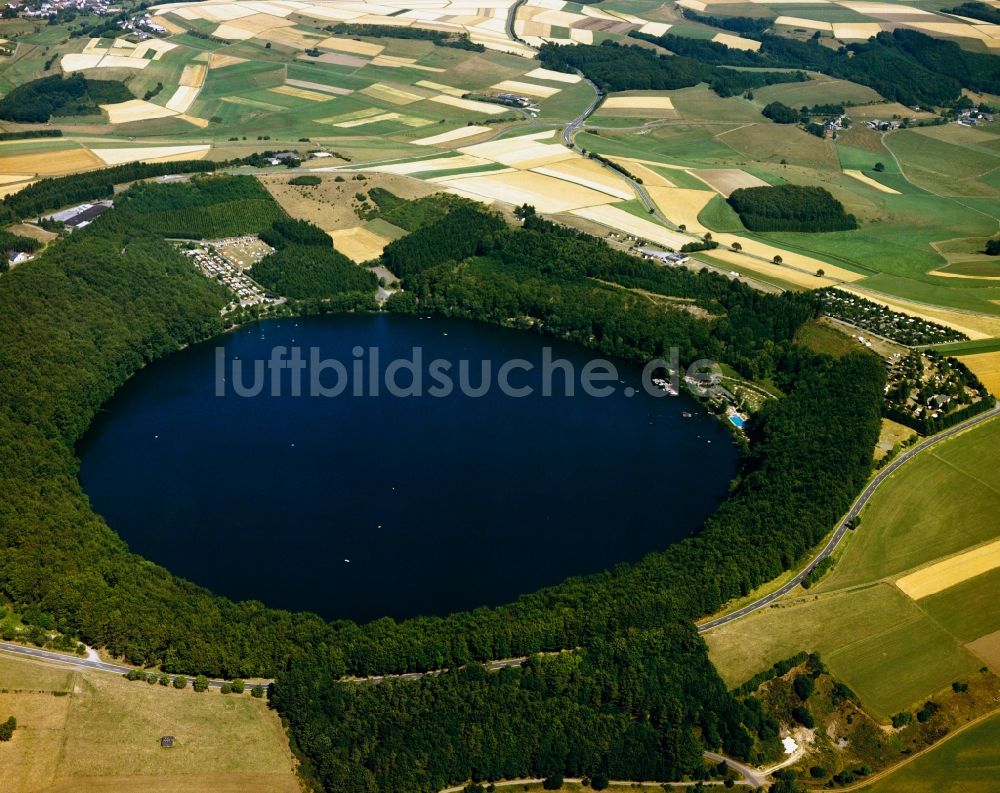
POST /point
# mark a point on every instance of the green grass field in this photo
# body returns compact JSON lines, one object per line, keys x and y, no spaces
{"x":968,"y":609}
{"x":875,"y":639}
{"x":945,"y":500}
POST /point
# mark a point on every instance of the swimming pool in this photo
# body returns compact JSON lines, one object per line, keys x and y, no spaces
{"x":737,"y":421}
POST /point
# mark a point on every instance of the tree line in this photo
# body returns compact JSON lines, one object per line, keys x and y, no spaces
{"x":616,"y":67}
{"x":904,"y":66}
{"x":439,"y":38}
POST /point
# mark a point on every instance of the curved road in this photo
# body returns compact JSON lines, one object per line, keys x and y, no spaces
{"x":842,"y":527}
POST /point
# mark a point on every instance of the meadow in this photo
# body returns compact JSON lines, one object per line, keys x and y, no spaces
{"x":100,"y":732}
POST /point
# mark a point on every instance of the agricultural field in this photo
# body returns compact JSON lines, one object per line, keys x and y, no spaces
{"x":230,"y":79}
{"x":912,"y":590}
{"x":96,"y":731}
{"x":943,"y":502}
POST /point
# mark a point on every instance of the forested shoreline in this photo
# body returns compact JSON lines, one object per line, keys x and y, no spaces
{"x":96,"y":307}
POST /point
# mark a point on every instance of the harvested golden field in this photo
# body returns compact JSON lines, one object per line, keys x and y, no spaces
{"x":725,"y":180}
{"x":527,"y":151}
{"x":217,"y":61}
{"x":861,"y":31}
{"x":986,"y":366}
{"x":194,"y":75}
{"x":799,"y":22}
{"x":736,"y":42}
{"x":546,"y":194}
{"x":870,"y":182}
{"x":9,"y":188}
{"x":548,"y":74}
{"x":433,"y":164}
{"x":528,"y":89}
{"x":392,"y":94}
{"x":183,"y":98}
{"x":301,"y":93}
{"x":468,"y":104}
{"x":456,"y":134}
{"x":157,"y":153}
{"x":359,"y":244}
{"x":50,"y":163}
{"x":588,"y":173}
{"x":103,"y":734}
{"x":135,"y":110}
{"x":785,"y":273}
{"x":620,"y":220}
{"x":944,"y":574}
{"x":351,"y":46}
{"x":681,"y":206}
{"x":328,"y":204}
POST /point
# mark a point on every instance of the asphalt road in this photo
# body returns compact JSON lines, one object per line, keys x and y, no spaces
{"x":77,"y":662}
{"x":842,"y":527}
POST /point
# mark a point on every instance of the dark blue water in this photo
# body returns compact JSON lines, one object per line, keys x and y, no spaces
{"x":440,"y":504}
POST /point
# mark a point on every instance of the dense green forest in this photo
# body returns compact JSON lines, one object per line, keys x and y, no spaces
{"x":790,"y":207}
{"x":206,"y":207}
{"x":638,"y":700}
{"x":614,"y":67}
{"x":54,"y":192}
{"x":903,"y":66}
{"x":752,"y":27}
{"x":305,"y":264}
{"x":976,"y":10}
{"x":411,"y":215}
{"x":292,"y":231}
{"x":780,"y":113}
{"x":626,"y":707}
{"x":36,"y":102}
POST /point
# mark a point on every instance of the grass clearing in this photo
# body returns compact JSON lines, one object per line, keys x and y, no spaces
{"x":104,"y":735}
{"x":822,"y":336}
